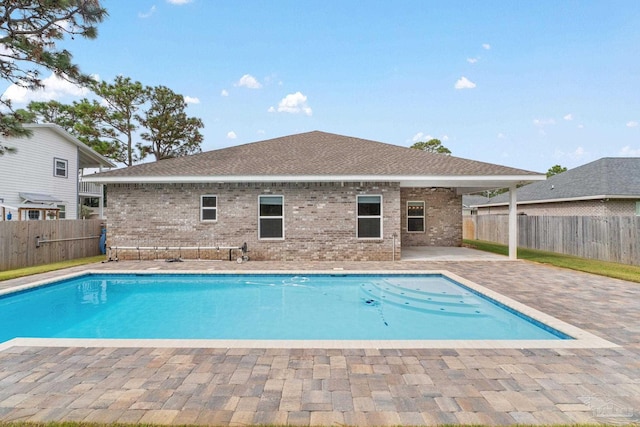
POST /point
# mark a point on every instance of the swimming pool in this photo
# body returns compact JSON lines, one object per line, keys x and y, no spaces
{"x":264,"y":307}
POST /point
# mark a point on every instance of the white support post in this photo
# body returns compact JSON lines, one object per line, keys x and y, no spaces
{"x":513,"y":223}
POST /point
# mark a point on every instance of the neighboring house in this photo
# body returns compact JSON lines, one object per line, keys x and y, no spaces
{"x":470,"y":203}
{"x":311,"y":196}
{"x":42,"y":179}
{"x":606,"y":187}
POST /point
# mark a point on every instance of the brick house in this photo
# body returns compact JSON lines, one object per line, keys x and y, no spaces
{"x":606,"y":187}
{"x":310,"y":196}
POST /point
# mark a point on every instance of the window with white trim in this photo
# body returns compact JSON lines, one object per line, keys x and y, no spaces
{"x":62,"y":213}
{"x":208,"y":208}
{"x":415,"y":217}
{"x":369,"y":217}
{"x":271,"y":217}
{"x":33,"y":215}
{"x":60,"y":167}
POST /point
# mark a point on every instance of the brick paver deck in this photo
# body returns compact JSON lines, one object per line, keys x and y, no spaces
{"x":351,"y":386}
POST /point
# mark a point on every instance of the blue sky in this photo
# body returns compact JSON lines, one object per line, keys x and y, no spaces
{"x":520,"y":83}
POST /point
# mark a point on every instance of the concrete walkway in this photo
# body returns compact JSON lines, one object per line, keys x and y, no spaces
{"x":351,"y":386}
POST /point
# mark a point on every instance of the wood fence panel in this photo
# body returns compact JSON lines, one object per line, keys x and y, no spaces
{"x":615,"y":238}
{"x":18,"y":241}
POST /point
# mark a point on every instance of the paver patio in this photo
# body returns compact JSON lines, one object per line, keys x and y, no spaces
{"x":351,"y":386}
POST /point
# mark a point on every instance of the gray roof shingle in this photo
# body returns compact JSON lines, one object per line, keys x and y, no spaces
{"x":609,"y":176}
{"x":315,"y":153}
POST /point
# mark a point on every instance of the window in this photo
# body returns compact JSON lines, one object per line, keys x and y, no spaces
{"x":62,"y":213}
{"x":271,"y":217}
{"x":637,"y":208}
{"x":208,"y":208}
{"x":369,"y":225}
{"x":33,"y":214}
{"x":415,"y":217}
{"x":60,"y":168}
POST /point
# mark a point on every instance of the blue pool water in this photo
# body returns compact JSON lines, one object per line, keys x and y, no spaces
{"x":318,"y":307}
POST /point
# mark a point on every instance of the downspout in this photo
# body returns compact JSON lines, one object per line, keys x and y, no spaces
{"x":513,"y":223}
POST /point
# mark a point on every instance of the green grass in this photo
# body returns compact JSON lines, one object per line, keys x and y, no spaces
{"x":602,"y":268}
{"x":28,"y":271}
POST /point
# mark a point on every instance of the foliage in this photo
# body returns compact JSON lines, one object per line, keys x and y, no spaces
{"x":29,"y":30}
{"x":123,"y":98}
{"x":555,"y":170}
{"x":432,"y":146}
{"x":602,"y":268}
{"x":28,"y":271}
{"x":170,"y":132}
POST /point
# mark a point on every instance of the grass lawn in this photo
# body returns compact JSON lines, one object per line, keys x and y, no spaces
{"x":27,"y":271}
{"x":602,"y":268}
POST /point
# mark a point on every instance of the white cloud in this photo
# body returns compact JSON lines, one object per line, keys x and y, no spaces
{"x":191,"y":100}
{"x":231,"y":135}
{"x":248,"y":81}
{"x":543,"y":122}
{"x":486,"y":46}
{"x":224,"y":93}
{"x":464,"y":83}
{"x":54,"y":88}
{"x":294,"y":103}
{"x":632,"y":124}
{"x":472,"y":60}
{"x":420,"y":136}
{"x":179,"y":2}
{"x":568,"y":117}
{"x":627,"y":151}
{"x":501,"y":135}
{"x":261,"y":132}
{"x":445,"y":137}
{"x":147,"y":13}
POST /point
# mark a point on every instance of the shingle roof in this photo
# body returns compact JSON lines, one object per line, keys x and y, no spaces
{"x":314,"y":154}
{"x":608,"y":177}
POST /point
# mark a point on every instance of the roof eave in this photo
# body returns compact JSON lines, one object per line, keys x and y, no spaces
{"x":559,"y":200}
{"x":458,"y":181}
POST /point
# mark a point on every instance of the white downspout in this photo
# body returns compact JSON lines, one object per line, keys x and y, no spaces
{"x":513,"y":223}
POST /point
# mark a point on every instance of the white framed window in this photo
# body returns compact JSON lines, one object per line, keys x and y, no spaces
{"x":60,"y":168}
{"x":369,"y":217}
{"x":208,"y":208}
{"x":415,"y":217}
{"x":62,"y":213}
{"x":271,"y":217}
{"x":33,"y":215}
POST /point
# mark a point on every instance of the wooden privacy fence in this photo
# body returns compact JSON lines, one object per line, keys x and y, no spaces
{"x":609,"y":238}
{"x":29,"y":243}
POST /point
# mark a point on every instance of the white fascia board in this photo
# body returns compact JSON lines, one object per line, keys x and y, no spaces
{"x":411,"y":180}
{"x":567,"y":199}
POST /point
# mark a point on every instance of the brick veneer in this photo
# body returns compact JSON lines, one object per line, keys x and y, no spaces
{"x":320,"y":220}
{"x":443,"y":217}
{"x":608,"y":207}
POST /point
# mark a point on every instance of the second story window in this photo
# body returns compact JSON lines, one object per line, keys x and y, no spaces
{"x":60,"y":168}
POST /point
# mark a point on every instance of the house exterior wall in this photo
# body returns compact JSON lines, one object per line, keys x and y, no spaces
{"x":320,"y":220}
{"x":31,"y":170}
{"x":609,"y":207}
{"x":443,"y":217}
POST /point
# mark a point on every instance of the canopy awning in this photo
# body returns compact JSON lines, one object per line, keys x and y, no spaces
{"x":40,"y":198}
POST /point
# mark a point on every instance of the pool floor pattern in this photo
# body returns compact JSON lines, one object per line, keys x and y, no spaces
{"x":352,"y":386}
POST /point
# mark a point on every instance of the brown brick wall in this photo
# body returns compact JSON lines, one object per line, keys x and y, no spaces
{"x":320,"y":220}
{"x":443,"y":217}
{"x":610,"y":207}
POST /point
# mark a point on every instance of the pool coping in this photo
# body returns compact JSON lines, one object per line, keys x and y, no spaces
{"x":581,"y":338}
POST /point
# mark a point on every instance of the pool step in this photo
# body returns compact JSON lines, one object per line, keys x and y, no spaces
{"x":376,"y":293}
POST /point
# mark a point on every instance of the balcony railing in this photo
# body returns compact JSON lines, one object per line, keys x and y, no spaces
{"x":85,"y":188}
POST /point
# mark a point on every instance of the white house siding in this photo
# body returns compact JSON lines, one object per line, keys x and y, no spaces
{"x":320,"y":220}
{"x":31,"y":169}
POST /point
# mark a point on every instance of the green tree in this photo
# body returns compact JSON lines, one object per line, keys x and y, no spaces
{"x":169,"y":131}
{"x":123,"y":98}
{"x":29,"y":30}
{"x":432,"y":146}
{"x":555,"y":170}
